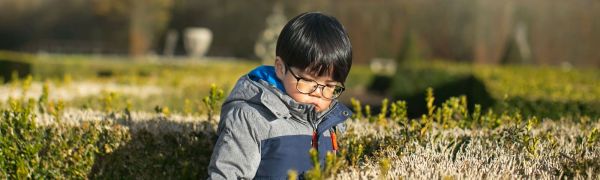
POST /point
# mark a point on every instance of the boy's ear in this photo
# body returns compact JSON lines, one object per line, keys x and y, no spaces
{"x":279,"y":68}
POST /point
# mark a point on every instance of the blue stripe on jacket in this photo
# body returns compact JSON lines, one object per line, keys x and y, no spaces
{"x":281,"y":154}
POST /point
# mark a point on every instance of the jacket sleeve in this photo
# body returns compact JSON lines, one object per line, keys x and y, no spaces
{"x":236,"y":154}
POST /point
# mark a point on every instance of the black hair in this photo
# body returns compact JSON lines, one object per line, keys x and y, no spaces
{"x":316,"y":43}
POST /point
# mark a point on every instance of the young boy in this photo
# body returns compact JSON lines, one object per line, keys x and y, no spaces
{"x":275,"y":115}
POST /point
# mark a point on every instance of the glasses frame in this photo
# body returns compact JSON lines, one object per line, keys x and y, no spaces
{"x":298,"y":78}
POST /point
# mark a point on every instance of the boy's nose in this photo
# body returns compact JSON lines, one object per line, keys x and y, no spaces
{"x":318,"y":92}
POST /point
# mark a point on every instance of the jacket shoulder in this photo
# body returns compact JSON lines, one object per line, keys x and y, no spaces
{"x":241,"y":114}
{"x":254,"y":111}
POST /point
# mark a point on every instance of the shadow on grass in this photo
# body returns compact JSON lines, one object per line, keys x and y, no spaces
{"x":7,"y":68}
{"x":411,"y":87}
{"x":473,"y":88}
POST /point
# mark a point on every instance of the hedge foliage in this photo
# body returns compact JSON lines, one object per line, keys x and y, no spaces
{"x":541,"y":91}
{"x":29,"y":150}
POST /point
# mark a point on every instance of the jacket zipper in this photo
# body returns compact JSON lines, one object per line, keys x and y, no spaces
{"x":315,"y":137}
{"x":312,"y":120}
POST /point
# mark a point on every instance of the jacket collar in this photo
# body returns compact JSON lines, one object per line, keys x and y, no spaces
{"x":286,"y":107}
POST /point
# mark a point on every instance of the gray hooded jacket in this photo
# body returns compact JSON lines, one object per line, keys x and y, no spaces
{"x":264,"y":133}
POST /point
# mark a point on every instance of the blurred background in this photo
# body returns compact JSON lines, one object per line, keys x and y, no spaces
{"x":541,"y":32}
{"x":490,"y":51}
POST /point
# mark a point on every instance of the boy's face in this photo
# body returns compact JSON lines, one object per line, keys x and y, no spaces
{"x":293,"y":80}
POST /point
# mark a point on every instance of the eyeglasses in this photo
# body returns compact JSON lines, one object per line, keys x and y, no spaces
{"x":307,"y":86}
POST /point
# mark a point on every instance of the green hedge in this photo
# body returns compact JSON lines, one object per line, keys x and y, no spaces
{"x":56,"y":66}
{"x":541,"y":91}
{"x":178,"y":80}
{"x":157,"y":148}
{"x":85,"y":67}
{"x":54,"y":151}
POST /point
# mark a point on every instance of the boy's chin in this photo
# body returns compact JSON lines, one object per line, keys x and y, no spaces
{"x":318,"y":109}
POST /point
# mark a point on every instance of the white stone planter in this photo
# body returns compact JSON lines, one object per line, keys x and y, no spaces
{"x":197,"y":41}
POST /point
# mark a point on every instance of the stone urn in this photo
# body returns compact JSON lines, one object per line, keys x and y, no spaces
{"x":197,"y":41}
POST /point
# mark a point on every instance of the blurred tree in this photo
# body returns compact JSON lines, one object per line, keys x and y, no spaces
{"x":267,"y":42}
{"x":146,"y":19}
{"x":517,"y":49}
{"x":410,"y":52}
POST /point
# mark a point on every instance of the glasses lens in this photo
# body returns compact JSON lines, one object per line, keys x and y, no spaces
{"x":306,"y":86}
{"x":328,"y":92}
{"x":332,"y":92}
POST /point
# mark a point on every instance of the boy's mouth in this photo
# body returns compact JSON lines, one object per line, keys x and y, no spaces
{"x":317,"y":107}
